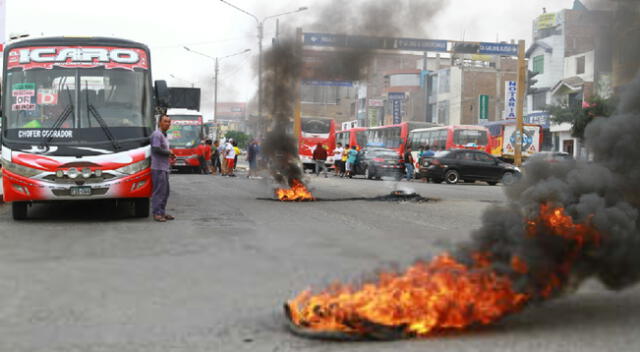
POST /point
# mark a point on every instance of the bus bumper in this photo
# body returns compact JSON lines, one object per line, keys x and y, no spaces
{"x":22,"y":189}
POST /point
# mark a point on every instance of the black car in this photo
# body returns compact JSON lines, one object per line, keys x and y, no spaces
{"x":379,"y":162}
{"x":454,"y":166}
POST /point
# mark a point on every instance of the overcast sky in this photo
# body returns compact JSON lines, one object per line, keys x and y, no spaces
{"x":211,"y":27}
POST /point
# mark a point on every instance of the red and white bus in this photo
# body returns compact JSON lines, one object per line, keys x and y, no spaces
{"x":354,"y":136}
{"x":449,"y":137}
{"x":394,"y":136}
{"x":185,"y":137}
{"x":314,"y":130}
{"x":76,"y":120}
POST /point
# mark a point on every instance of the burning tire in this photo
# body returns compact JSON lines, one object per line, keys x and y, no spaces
{"x":452,"y":177}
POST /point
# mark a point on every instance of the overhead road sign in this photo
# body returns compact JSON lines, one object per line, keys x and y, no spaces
{"x":383,"y":43}
{"x":408,"y":44}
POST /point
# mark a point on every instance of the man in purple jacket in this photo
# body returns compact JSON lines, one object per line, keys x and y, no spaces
{"x":160,"y":155}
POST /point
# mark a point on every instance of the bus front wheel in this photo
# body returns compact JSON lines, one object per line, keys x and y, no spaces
{"x":19,"y":210}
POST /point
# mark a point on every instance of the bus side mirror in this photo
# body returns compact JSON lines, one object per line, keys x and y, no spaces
{"x":161,"y":93}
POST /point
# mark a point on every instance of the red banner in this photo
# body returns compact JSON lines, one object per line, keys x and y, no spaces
{"x":48,"y":57}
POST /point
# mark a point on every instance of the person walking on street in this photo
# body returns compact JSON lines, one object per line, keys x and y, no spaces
{"x":408,"y":163}
{"x":201,"y":160}
{"x":215,"y":158}
{"x":160,"y":156}
{"x":320,"y":157}
{"x":238,"y":153}
{"x":230,"y":156}
{"x":252,"y":157}
{"x":207,"y":157}
{"x":352,"y":157}
{"x":223,"y":157}
{"x":345,"y":165}
{"x":337,"y":158}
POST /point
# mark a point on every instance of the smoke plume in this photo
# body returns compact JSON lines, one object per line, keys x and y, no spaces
{"x":283,"y":63}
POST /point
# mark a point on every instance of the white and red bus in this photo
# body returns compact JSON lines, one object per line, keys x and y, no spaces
{"x":76,"y":120}
{"x":314,"y":130}
{"x":354,"y":136}
{"x":394,"y":136}
{"x":449,"y":137}
{"x":185,"y":136}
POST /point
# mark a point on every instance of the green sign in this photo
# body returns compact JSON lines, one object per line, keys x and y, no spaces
{"x":483,"y":110}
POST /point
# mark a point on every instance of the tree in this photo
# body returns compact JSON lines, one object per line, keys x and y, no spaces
{"x":581,"y":116}
{"x":238,"y":136}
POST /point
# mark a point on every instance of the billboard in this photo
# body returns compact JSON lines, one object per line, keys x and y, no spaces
{"x":546,"y":20}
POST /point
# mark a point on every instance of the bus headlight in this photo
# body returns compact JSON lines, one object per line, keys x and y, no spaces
{"x":20,"y":169}
{"x":135,"y":167}
{"x":73,"y":173}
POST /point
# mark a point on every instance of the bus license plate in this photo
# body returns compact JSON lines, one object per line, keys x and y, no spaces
{"x":180,"y":163}
{"x":80,"y":191}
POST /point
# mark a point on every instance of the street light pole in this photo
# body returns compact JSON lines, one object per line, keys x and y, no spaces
{"x":215,"y":77}
{"x":260,"y":38}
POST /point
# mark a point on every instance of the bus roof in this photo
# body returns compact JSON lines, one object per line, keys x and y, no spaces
{"x":355,"y":129}
{"x":505,"y":123}
{"x":460,"y":127}
{"x":183,"y":112}
{"x":89,"y":41}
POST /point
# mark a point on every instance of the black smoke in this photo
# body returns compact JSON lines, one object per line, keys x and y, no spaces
{"x":283,"y":65}
{"x":602,"y":192}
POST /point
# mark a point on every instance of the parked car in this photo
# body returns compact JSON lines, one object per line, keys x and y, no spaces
{"x":379,"y":162}
{"x":465,"y":165}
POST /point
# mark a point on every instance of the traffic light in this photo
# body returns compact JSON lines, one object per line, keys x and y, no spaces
{"x":466,"y":48}
{"x":531,"y":82}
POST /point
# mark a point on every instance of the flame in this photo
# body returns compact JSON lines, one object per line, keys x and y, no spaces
{"x":297,"y":192}
{"x":443,"y":294}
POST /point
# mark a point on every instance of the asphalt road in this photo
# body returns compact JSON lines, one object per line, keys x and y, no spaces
{"x":85,"y":277}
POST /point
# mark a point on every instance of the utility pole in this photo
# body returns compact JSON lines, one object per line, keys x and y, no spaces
{"x":215,"y":93}
{"x":522,"y":72}
{"x":297,"y":112}
{"x":261,"y":121}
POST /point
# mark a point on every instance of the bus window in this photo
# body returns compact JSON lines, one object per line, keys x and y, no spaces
{"x":464,"y":137}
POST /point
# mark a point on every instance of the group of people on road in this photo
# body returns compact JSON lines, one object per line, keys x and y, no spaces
{"x":344,"y":159}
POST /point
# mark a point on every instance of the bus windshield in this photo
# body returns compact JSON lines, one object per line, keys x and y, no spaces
{"x":183,"y":135}
{"x":77,"y":106}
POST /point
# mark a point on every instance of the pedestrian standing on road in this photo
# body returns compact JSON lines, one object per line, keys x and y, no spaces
{"x":352,"y":157}
{"x":238,"y":153}
{"x":230,"y":156}
{"x":252,"y":157}
{"x":207,"y":157}
{"x":408,"y":163}
{"x":223,"y":157}
{"x":345,"y":156}
{"x":320,"y":157}
{"x":201,"y":160}
{"x":428,"y":152}
{"x":215,"y":158}
{"x":337,"y":158}
{"x":160,"y":156}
